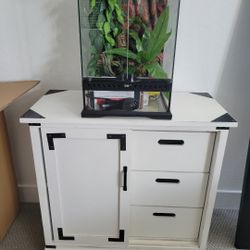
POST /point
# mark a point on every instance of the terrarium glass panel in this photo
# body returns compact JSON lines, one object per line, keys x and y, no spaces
{"x":125,"y":42}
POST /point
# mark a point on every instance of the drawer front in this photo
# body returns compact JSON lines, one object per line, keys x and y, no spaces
{"x":172,"y":151}
{"x":164,"y":222}
{"x":168,"y":189}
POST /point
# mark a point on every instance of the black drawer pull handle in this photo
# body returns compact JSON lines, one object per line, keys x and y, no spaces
{"x":171,"y":142}
{"x":160,"y":180}
{"x":125,"y":178}
{"x":164,"y":214}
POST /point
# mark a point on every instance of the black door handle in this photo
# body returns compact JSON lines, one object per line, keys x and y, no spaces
{"x":165,"y":214}
{"x":162,"y":180}
{"x":125,"y":179}
{"x":171,"y":142}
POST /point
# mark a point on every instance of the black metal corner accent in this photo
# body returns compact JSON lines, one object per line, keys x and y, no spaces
{"x":35,"y":124}
{"x":62,"y":237}
{"x":222,"y":128}
{"x":202,"y":94}
{"x":224,"y":118}
{"x":121,"y":137}
{"x":50,"y":246}
{"x":54,"y":91}
{"x":32,"y":114}
{"x":51,"y":137}
{"x":121,"y":237}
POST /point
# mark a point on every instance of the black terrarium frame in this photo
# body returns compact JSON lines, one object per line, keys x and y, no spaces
{"x":127,"y":82}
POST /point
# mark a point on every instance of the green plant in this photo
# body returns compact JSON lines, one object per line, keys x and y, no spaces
{"x":143,"y":61}
{"x":106,"y":24}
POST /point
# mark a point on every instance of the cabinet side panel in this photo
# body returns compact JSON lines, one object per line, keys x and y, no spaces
{"x":216,"y":164}
{"x":38,"y":156}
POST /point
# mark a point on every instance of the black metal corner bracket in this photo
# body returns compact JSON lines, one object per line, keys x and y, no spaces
{"x":51,"y":137}
{"x":121,"y":237}
{"x":62,"y":237}
{"x":121,"y":137}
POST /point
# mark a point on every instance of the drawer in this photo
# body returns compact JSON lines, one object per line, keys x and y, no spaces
{"x":172,"y":151}
{"x":164,"y":222}
{"x":168,"y":188}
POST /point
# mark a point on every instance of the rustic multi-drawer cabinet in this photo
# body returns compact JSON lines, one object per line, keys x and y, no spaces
{"x":134,"y":183}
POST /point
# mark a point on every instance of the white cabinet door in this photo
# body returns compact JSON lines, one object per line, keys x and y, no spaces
{"x":86,"y":178}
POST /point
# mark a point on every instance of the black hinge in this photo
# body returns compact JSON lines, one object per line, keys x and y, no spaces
{"x":222,"y":128}
{"x":121,"y":237}
{"x":121,"y":137}
{"x":51,"y":137}
{"x":62,"y":237}
{"x":35,"y":124}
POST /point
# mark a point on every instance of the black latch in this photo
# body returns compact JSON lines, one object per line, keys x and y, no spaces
{"x":121,"y":137}
{"x":121,"y":237}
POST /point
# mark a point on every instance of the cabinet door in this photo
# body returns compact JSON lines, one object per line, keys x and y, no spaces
{"x":86,"y":178}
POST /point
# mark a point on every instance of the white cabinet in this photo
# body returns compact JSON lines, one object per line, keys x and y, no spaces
{"x":86,"y":177}
{"x":127,"y":183}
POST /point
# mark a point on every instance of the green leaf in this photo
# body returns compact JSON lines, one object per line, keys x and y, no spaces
{"x":137,"y":39}
{"x":118,"y":12}
{"x":111,"y":4}
{"x":115,"y":31}
{"x":155,"y":70}
{"x":93,"y":16}
{"x":151,"y":53}
{"x":97,"y":40}
{"x":145,"y":39}
{"x":108,"y":37}
{"x":100,"y":21}
{"x":110,"y":40}
{"x":92,"y":3}
{"x":158,"y":37}
{"x":108,"y":16}
{"x":122,"y":52}
{"x":92,"y":65}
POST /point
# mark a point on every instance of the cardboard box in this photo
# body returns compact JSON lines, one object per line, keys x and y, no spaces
{"x":9,"y":205}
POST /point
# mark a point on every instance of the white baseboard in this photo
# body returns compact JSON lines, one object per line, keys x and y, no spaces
{"x":28,"y":193}
{"x":225,"y":198}
{"x":228,"y":199}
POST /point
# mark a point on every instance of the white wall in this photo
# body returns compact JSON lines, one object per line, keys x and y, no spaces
{"x":39,"y":40}
{"x":213,"y":55}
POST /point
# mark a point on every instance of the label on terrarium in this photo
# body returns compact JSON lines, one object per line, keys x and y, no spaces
{"x":114,"y":94}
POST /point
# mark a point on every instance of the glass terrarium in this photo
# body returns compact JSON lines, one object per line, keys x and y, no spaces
{"x":128,"y":50}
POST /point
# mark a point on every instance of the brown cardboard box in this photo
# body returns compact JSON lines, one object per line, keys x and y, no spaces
{"x":9,"y":91}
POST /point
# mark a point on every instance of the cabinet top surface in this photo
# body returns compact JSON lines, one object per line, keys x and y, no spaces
{"x":188,"y":109}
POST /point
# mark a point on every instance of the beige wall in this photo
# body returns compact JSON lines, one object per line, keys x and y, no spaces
{"x":39,"y":40}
